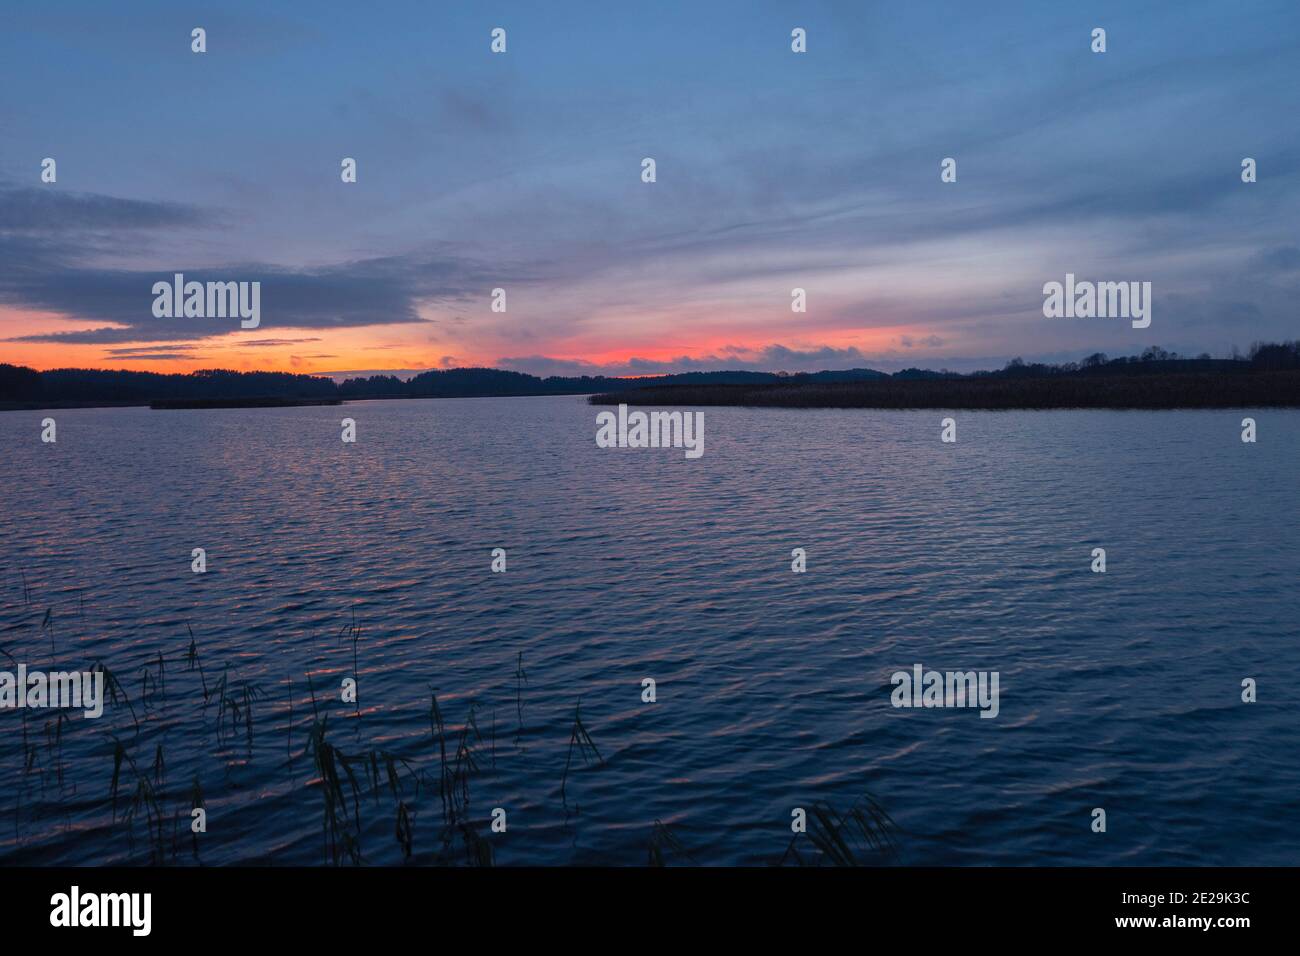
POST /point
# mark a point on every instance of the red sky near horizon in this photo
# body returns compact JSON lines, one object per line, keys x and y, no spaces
{"x":403,"y":347}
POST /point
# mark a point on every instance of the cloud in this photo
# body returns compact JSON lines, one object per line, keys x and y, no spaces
{"x":931,"y":341}
{"x":141,"y":352}
{"x":367,"y":292}
{"x":159,"y":356}
{"x":52,"y":244}
{"x":270,"y":343}
{"x":770,"y":358}
{"x":48,"y":209}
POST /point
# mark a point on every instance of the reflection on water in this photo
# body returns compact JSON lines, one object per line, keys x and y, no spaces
{"x":1119,"y":690}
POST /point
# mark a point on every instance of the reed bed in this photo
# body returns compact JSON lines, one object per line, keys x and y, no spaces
{"x":361,"y":790}
{"x":1244,"y":389}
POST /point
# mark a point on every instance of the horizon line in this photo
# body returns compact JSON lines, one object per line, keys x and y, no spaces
{"x":411,"y":373}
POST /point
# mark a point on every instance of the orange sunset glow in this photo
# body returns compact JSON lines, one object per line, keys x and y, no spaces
{"x":402,"y":346}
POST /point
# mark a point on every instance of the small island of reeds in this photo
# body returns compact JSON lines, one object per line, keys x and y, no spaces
{"x":1270,"y":376}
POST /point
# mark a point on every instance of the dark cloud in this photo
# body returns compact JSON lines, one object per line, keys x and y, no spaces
{"x":267,"y":343}
{"x":137,"y":351}
{"x":49,"y":240}
{"x":158,"y":356}
{"x":51,"y":209}
{"x":362,"y":293}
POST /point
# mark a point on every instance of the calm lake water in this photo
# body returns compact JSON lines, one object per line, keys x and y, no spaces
{"x":1119,"y":690}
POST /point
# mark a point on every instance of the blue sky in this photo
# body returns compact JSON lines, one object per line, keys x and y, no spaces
{"x":775,"y":170}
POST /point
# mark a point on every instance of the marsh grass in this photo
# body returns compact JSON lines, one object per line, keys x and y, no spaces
{"x":578,"y":737}
{"x":192,"y":661}
{"x":235,"y":701}
{"x":159,"y":768}
{"x":478,"y":851}
{"x":521,"y":678}
{"x":335,"y":769}
{"x":351,"y":633}
{"x":1154,"y":385}
{"x":54,"y":745}
{"x":146,"y":799}
{"x":139,"y":787}
{"x":151,"y":685}
{"x":342,"y":840}
{"x":288,"y":727}
{"x":464,"y":765}
{"x":139,"y":791}
{"x":120,"y":757}
{"x":116,"y":691}
{"x":663,"y":839}
{"x":863,"y":834}
{"x":32,"y":764}
{"x":404,"y":830}
{"x":439,"y":731}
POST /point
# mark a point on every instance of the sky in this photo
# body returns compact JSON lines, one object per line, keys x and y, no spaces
{"x":522,"y":171}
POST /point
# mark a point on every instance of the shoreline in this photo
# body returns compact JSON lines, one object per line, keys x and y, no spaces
{"x":173,"y":404}
{"x":1153,"y":392}
{"x":199,"y":404}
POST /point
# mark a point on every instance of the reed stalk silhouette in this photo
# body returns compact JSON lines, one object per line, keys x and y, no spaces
{"x":146,"y":799}
{"x":521,"y":678}
{"x":116,"y":690}
{"x":288,"y":727}
{"x":862,"y":834}
{"x":661,"y":839}
{"x":335,"y":769}
{"x":578,"y":737}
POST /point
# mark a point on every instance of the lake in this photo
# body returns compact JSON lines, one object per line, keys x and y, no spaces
{"x":1119,"y":690}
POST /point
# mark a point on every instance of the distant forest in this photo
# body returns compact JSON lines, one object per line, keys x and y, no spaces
{"x":26,"y":387}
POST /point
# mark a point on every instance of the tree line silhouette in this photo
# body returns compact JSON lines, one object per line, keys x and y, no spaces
{"x":25,"y":387}
{"x":1268,"y":376}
